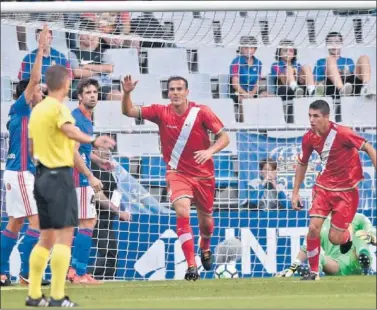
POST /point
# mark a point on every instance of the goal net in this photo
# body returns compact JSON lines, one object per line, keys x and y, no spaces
{"x":257,"y":70}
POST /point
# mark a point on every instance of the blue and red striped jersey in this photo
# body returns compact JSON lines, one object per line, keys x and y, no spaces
{"x":83,"y":122}
{"x":19,"y":158}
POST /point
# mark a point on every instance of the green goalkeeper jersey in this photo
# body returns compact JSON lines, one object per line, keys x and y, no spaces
{"x":348,"y":263}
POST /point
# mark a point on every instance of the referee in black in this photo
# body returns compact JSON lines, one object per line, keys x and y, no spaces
{"x":52,"y":143}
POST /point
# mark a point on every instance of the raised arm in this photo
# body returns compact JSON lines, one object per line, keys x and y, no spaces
{"x":35,"y":76}
{"x":128,"y":108}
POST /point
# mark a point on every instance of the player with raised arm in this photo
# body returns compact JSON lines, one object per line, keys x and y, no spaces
{"x":19,"y":173}
{"x":335,"y":191}
{"x":355,"y":262}
{"x":87,"y":91}
{"x":187,"y":151}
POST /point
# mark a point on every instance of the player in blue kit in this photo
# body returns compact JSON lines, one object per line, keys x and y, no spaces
{"x":88,"y":97}
{"x":19,"y":173}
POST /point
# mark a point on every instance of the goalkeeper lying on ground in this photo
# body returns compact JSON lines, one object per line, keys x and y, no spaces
{"x":332,"y":262}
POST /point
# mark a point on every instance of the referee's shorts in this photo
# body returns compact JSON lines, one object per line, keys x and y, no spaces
{"x":56,"y":199}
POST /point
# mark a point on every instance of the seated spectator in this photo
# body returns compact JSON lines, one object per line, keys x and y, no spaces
{"x":290,"y":77}
{"x":338,"y":74}
{"x":245,"y":73}
{"x":269,"y":195}
{"x":51,"y":57}
{"x":90,"y":60}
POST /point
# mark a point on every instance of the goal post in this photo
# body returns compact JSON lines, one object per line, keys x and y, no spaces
{"x":182,"y":6}
{"x":204,"y":42}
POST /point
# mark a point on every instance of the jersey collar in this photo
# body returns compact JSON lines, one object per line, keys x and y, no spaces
{"x":86,"y":113}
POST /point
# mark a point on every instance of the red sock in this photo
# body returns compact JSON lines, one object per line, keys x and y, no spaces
{"x":346,"y":236}
{"x":313,"y":251}
{"x":184,"y":233}
{"x":206,"y":234}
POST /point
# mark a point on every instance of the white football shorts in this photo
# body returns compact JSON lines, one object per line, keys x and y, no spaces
{"x":19,"y":198}
{"x":86,"y":203}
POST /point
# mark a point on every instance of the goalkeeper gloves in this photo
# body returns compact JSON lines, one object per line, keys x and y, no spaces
{"x":367,"y":237}
{"x":290,"y":271}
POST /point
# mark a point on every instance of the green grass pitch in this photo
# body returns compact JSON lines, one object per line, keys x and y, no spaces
{"x":329,"y":292}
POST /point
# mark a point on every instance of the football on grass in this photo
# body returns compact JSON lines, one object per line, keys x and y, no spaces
{"x":226,"y":271}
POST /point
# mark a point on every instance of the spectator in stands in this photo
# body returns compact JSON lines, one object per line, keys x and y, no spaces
{"x":91,"y":60}
{"x":104,"y":237}
{"x":112,"y":25}
{"x":50,"y":57}
{"x":148,"y":26}
{"x":338,"y":74}
{"x":270,"y":195}
{"x":290,"y":77}
{"x":245,"y":74}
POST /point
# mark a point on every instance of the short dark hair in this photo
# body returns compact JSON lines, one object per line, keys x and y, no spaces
{"x":86,"y":83}
{"x":56,"y":76}
{"x":21,"y":86}
{"x":268,"y":161}
{"x":178,"y":78}
{"x":320,"y":105}
{"x":285,"y":44}
{"x":334,"y":34}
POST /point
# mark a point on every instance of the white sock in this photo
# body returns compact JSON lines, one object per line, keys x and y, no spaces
{"x":311,"y":89}
{"x":293,"y":85}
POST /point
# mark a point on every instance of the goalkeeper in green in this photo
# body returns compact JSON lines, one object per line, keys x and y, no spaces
{"x":332,"y":262}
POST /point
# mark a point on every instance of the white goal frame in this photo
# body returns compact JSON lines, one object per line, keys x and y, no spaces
{"x":148,"y":247}
{"x":170,"y":6}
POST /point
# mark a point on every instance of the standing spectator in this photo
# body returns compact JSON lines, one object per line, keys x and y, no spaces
{"x":291,"y":78}
{"x":91,"y":61}
{"x":269,"y":195}
{"x":104,"y":237}
{"x":339,"y":74}
{"x":111,"y":24}
{"x":50,"y":58}
{"x":245,"y":73}
{"x":148,"y":26}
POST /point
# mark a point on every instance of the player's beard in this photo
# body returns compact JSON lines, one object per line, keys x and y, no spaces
{"x":90,"y":106}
